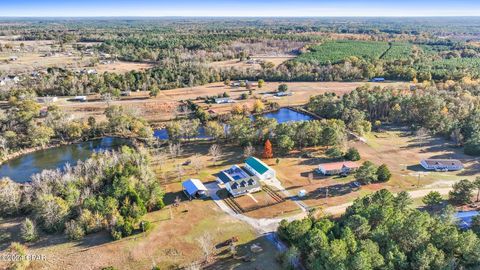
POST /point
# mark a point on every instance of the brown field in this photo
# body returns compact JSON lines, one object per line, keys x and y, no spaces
{"x":268,"y":208}
{"x":162,"y":108}
{"x":400,"y":150}
{"x":32,"y":61}
{"x":121,"y":67}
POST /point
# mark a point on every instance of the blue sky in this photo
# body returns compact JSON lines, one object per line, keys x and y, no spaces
{"x":242,"y":8}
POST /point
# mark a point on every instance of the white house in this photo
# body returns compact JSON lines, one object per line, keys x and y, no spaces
{"x":47,"y":99}
{"x":260,"y":169}
{"x":80,"y":98}
{"x":238,"y":182}
{"x":194,"y":188}
{"x":442,"y":164}
{"x":223,"y":100}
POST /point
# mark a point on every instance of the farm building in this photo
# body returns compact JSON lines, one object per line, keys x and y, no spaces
{"x":223,"y":100}
{"x":258,"y":168}
{"x":334,"y":168}
{"x":283,"y":94}
{"x":47,"y":99}
{"x":377,"y":80}
{"x":238,"y":182}
{"x":442,"y":164}
{"x":194,"y":188}
{"x":80,"y":98}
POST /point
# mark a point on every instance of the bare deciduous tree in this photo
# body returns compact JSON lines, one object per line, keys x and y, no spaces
{"x":206,"y":244}
{"x":197,"y":163}
{"x":215,"y":152}
{"x":175,"y":149}
{"x":248,"y":151}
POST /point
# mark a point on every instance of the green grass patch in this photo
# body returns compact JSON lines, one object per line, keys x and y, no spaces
{"x":337,"y":51}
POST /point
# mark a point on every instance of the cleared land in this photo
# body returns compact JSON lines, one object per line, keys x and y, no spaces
{"x":121,"y":67}
{"x":399,"y":149}
{"x":163,"y":107}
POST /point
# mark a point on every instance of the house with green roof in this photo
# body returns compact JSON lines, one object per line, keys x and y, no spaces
{"x":259,"y":169}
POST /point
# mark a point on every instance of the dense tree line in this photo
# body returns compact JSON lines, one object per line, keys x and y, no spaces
{"x":450,"y":110}
{"x":381,"y":231}
{"x":111,"y":190}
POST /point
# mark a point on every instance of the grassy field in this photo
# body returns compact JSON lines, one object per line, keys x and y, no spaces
{"x":399,"y":149}
{"x":162,"y":108}
{"x":337,"y":51}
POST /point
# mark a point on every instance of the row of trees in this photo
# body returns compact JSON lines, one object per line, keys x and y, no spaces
{"x":111,"y":190}
{"x":245,"y":130}
{"x":381,"y":231}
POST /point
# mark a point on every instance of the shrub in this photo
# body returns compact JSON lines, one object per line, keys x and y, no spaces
{"x":74,"y":230}
{"x":334,"y":152}
{"x":383,"y":173}
{"x":145,"y":225}
{"x":432,"y":198}
{"x":352,"y":154}
{"x":20,"y":251}
{"x":28,"y":231}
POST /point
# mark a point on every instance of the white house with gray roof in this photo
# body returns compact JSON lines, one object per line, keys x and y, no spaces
{"x":442,"y":164}
{"x":238,"y":182}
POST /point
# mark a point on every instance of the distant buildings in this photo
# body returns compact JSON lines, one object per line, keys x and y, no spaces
{"x":80,"y":98}
{"x":378,"y":79}
{"x":224,"y":100}
{"x":47,"y":99}
{"x":334,"y":168}
{"x":442,"y":164}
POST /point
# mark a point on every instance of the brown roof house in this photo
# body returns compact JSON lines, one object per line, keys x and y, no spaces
{"x":343,"y":167}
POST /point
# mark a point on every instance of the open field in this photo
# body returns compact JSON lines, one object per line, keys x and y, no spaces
{"x":121,"y":67}
{"x":32,"y":61}
{"x":171,"y":243}
{"x":162,"y":108}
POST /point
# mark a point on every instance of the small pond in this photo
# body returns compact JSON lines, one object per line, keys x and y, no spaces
{"x":21,"y":168}
{"x":284,"y":115}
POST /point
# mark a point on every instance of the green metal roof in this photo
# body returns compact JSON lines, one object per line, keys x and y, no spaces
{"x":257,"y":165}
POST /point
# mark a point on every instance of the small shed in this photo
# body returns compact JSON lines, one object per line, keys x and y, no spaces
{"x":194,"y":188}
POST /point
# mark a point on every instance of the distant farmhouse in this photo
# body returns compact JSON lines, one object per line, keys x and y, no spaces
{"x":334,"y":168}
{"x":442,"y":164}
{"x":378,"y":79}
{"x":223,"y":100}
{"x":239,"y":181}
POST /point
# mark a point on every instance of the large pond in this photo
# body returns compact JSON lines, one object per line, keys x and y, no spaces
{"x":20,"y":169}
{"x":282,"y":115}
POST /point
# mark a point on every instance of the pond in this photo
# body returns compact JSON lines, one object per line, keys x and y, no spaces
{"x":21,"y":168}
{"x":284,"y":115}
{"x":465,"y":218}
